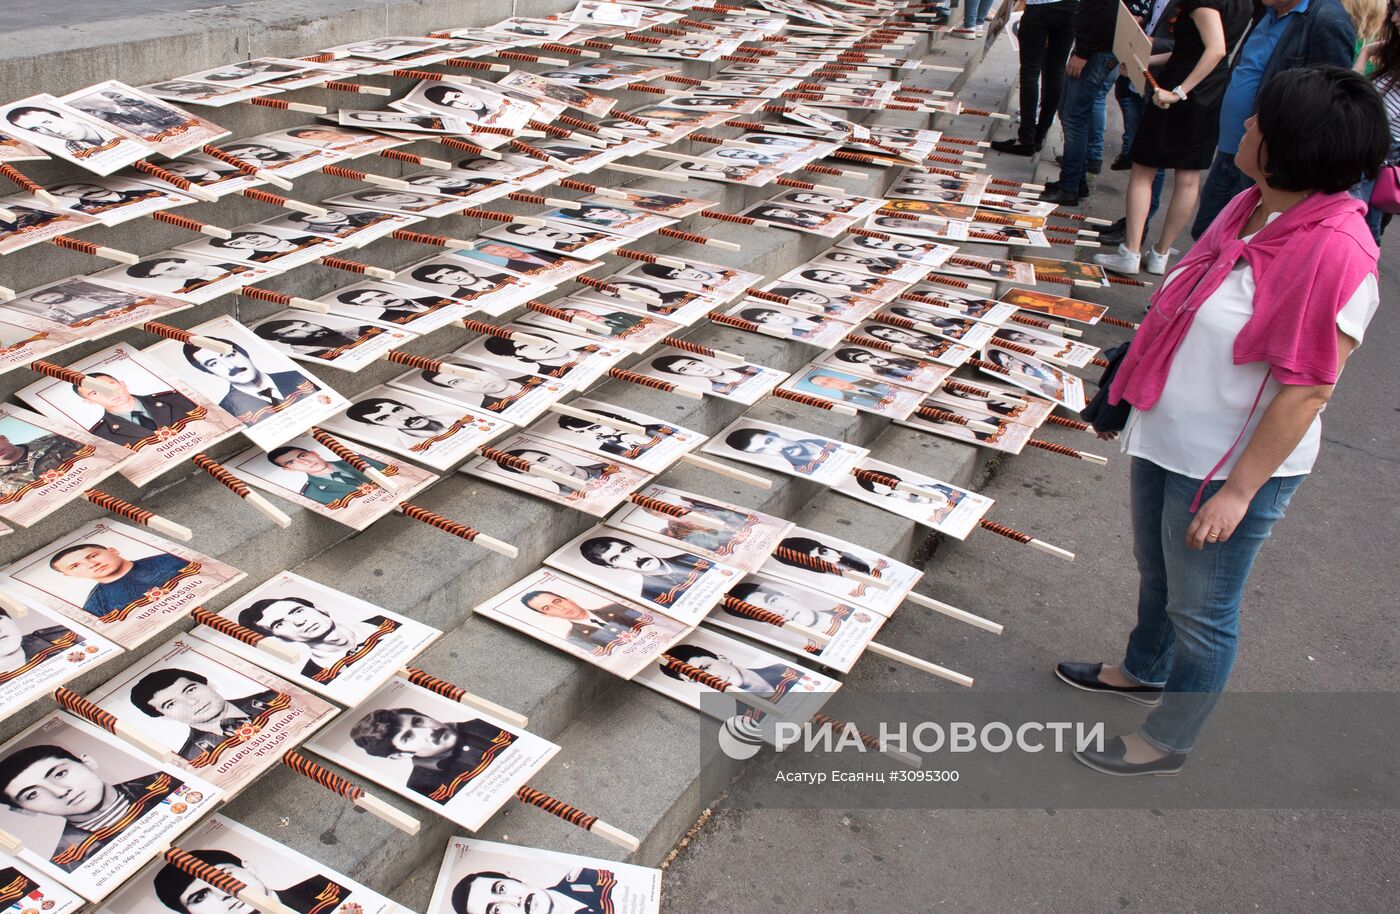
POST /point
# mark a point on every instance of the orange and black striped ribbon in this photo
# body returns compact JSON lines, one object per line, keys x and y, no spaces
{"x":810,"y":562}
{"x":425,"y":516}
{"x":676,"y":665}
{"x":264,"y":196}
{"x":400,"y":155}
{"x":156,"y":171}
{"x":1054,"y":448}
{"x":472,"y":323}
{"x":793,"y":182}
{"x":885,"y":317}
{"x":489,"y":214}
{"x":221,"y":475}
{"x":340,"y":263}
{"x":341,"y":171}
{"x":682,"y":235}
{"x":219,"y":879}
{"x":167,"y":331}
{"x":656,"y":504}
{"x":632,"y":254}
{"x":595,"y":283}
{"x":342,"y":86}
{"x":439,"y":241}
{"x":466,"y":64}
{"x":504,"y":459}
{"x":555,"y":807}
{"x":632,"y":377}
{"x":559,"y":133}
{"x":453,"y":142}
{"x":79,"y":706}
{"x":728,"y":217}
{"x":686,"y":345}
{"x":267,"y":295}
{"x":404,"y":73}
{"x":338,"y":448}
{"x":1006,"y":531}
{"x":321,"y":775}
{"x":758,"y":614}
{"x":228,"y":159}
{"x":835,"y":724}
{"x":269,"y":103}
{"x":575,"y":184}
{"x":577,"y":123}
{"x":1069,"y":423}
{"x":59,"y":372}
{"x":421,"y":362}
{"x":118,"y":507}
{"x":226,"y":626}
{"x":805,"y":399}
{"x":74,"y":244}
{"x":19,"y":178}
{"x":520,"y":196}
{"x":523,"y":147}
{"x":941,"y":415}
{"x":184,"y":222}
{"x":643,"y":87}
{"x":821,"y":169}
{"x":730,"y":320}
{"x":875,"y":477}
{"x":869,"y":342}
{"x":433,"y":684}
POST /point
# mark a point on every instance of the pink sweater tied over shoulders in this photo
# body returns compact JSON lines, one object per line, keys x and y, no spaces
{"x":1307,"y":264}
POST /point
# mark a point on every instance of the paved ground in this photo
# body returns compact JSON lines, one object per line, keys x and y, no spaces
{"x":1319,"y":617}
{"x":77,"y":12}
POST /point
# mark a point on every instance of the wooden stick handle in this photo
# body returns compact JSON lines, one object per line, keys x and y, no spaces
{"x":521,"y":465}
{"x":175,"y":180}
{"x":589,"y":416}
{"x":462,"y":696}
{"x":339,"y":449}
{"x":354,"y":266}
{"x":758,"y":614}
{"x":723,"y":469}
{"x":732,"y":358}
{"x":694,"y":518}
{"x":919,"y":663}
{"x":1054,"y":448}
{"x":79,"y":706}
{"x":224,"y":881}
{"x":279,"y":649}
{"x":462,"y":531}
{"x":1026,"y":539}
{"x":263,"y":196}
{"x":575,"y":816}
{"x":193,"y":225}
{"x":821,"y":566}
{"x":247,"y":169}
{"x":184,"y":336}
{"x":632,"y":377}
{"x":913,"y":761}
{"x":73,"y":376}
{"x":137,"y":515}
{"x":333,"y":782}
{"x":953,"y":612}
{"x":813,"y":401}
{"x":96,"y":250}
{"x":680,"y":667}
{"x":240,"y":488}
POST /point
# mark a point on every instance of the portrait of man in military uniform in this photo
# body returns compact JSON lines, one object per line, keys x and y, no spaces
{"x":22,"y":465}
{"x":132,"y":420}
{"x":186,"y":697}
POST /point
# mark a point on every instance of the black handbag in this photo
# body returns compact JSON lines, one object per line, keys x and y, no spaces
{"x":1102,"y":415}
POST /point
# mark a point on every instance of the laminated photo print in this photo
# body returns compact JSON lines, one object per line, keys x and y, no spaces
{"x":987,"y":398}
{"x":928,"y":345}
{"x":429,"y":430}
{"x":124,"y":583}
{"x":844,"y":280}
{"x":13,"y":150}
{"x":581,"y":243}
{"x":313,"y":477}
{"x":908,"y":229}
{"x":843,"y":204}
{"x":749,"y":175}
{"x":40,"y":651}
{"x":798,"y":691}
{"x":398,"y":202}
{"x":746,"y":383}
{"x":471,"y":188}
{"x":89,"y":809}
{"x":346,"y":647}
{"x":417,"y":309}
{"x":611,"y":218}
{"x":265,"y":866}
{"x":865,"y":394}
{"x":25,"y":338}
{"x":981,"y":430}
{"x":90,"y":310}
{"x":620,"y":327}
{"x":24,"y":890}
{"x":69,"y":134}
{"x":660,"y":575}
{"x":329,"y":339}
{"x":115,"y":200}
{"x":245,"y":73}
{"x":344,"y":141}
{"x":940,"y":190}
{"x":676,"y":207}
{"x":352,"y":226}
{"x":33,"y":223}
{"x":152,"y":413}
{"x":164,"y":127}
{"x":651,"y":297}
{"x":882,"y":265}
{"x":281,"y":157}
{"x":524,"y":260}
{"x":189,"y":92}
{"x":222,"y":718}
{"x":605,"y":483}
{"x":973,"y":266}
{"x":745,"y":541}
{"x":604,"y":75}
{"x":404,"y":122}
{"x":608,"y":13}
{"x":897,"y":578}
{"x":266,"y":245}
{"x":850,"y":628}
{"x":181,"y":276}
{"x":267,"y":392}
{"x":577,"y":618}
{"x":709,"y":278}
{"x":534,"y":30}
{"x":969,"y":305}
{"x":482,"y":876}
{"x":384,"y":48}
{"x":786,"y":450}
{"x":968,"y":332}
{"x":878,"y":365}
{"x":219,"y":178}
{"x":653,"y":450}
{"x":1035,"y":375}
{"x":789,"y":323}
{"x":46,"y":463}
{"x":1052,"y":305}
{"x":573,"y":96}
{"x":546,"y":352}
{"x":809,"y":221}
{"x":514,"y":397}
{"x":927,"y":253}
{"x":477,"y":104}
{"x":444,"y":756}
{"x":474,"y":284}
{"x":1051,"y":347}
{"x":934,"y":503}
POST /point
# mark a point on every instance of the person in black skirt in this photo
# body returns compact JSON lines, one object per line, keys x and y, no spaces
{"x":1180,"y":127}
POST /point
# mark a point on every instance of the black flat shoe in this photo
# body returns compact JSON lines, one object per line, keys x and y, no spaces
{"x":1085,"y":676}
{"x":1092,"y":166}
{"x":1114,"y":234}
{"x":1110,"y":761}
{"x":1014,"y":147}
{"x":1122,"y":163}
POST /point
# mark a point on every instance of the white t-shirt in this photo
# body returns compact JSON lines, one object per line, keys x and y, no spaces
{"x":1207,"y":397}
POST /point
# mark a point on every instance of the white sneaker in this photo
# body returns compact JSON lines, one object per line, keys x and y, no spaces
{"x":981,"y":30}
{"x":969,"y":34}
{"x":1120,"y":261}
{"x":1156,"y":263}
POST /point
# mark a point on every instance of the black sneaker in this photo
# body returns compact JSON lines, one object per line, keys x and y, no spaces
{"x":1110,"y":761}
{"x":1014,"y":147}
{"x":1092,"y":166}
{"x":1085,"y":677}
{"x":1114,"y":234}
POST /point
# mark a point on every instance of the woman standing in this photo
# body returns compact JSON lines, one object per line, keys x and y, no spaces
{"x":1180,"y":127}
{"x":1227,"y":377}
{"x":1381,"y":62}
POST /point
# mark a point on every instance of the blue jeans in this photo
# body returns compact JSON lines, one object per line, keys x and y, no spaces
{"x":1078,"y":99}
{"x":1189,"y":599}
{"x":1222,"y":184}
{"x":1132,"y":105}
{"x":975,"y":12}
{"x":1098,"y":123}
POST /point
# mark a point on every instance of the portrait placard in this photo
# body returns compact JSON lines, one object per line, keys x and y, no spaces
{"x":679,"y":583}
{"x":968,"y":332}
{"x":871,"y":264}
{"x":651,"y":297}
{"x":828,"y":279}
{"x":982,"y":430}
{"x":564,"y":612}
{"x":898,"y":577}
{"x":33,"y":223}
{"x":125,"y":583}
{"x":865,"y":394}
{"x":329,"y":339}
{"x":848,"y":627}
{"x":399,"y":202}
{"x":39,"y":652}
{"x":247,"y":72}
{"x":24,"y":890}
{"x":1049,"y":346}
{"x":550,"y":353}
{"x":653,"y":451}
{"x":209,"y":95}
{"x":1048,"y":303}
{"x":275,"y":870}
{"x":281,"y":157}
{"x":1003,"y":401}
{"x":747,"y":539}
{"x":268,"y":245}
{"x":472,"y":283}
{"x":582,"y":243}
{"x":624,"y":220}
{"x":71,"y":135}
{"x":606,"y":483}
{"x":846,"y":307}
{"x":181,"y":276}
{"x":481,"y":876}
{"x":622,"y":327}
{"x":427,"y":429}
{"x":746,"y":383}
{"x":1036,"y":375}
{"x":454,"y":760}
{"x":937,"y":504}
{"x":24,"y":338}
{"x":415,"y":308}
{"x":46,"y":463}
{"x":153,"y":414}
{"x":219,"y":178}
{"x":995,"y":269}
{"x":1076,"y":272}
{"x":789,"y":323}
{"x":477,"y":104}
{"x":313,"y":477}
{"x":355,"y":227}
{"x":929,"y":345}
{"x":878,"y":365}
{"x":346,"y":647}
{"x":523,"y":260}
{"x":267,"y":392}
{"x":969,"y":305}
{"x":113,"y":200}
{"x":927,"y":253}
{"x":786,"y":450}
{"x":165,"y":128}
{"x":89,"y":809}
{"x":223,"y":718}
{"x":801,"y":219}
{"x":513,"y":396}
{"x":652,"y":202}
{"x":698,"y":275}
{"x":90,"y":310}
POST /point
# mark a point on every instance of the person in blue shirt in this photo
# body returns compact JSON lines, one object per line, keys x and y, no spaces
{"x":120,"y":581}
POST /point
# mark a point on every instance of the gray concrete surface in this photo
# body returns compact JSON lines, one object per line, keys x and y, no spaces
{"x":1319,"y":616}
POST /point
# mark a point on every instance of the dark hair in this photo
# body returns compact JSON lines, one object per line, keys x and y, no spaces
{"x":1323,"y":129}
{"x":433,"y":378}
{"x":742,"y":592}
{"x":143,"y":269}
{"x":77,"y":388}
{"x":171,"y":882}
{"x":15,"y":114}
{"x":424,"y":273}
{"x":189,"y":349}
{"x":272,"y":330}
{"x":666,"y":362}
{"x":375,"y":732}
{"x":592,"y":549}
{"x":740,"y":439}
{"x":753,"y":314}
{"x":686,"y":653}
{"x":500,"y":345}
{"x":12,"y":764}
{"x":574,"y":424}
{"x":462,"y":891}
{"x":358,"y":411}
{"x":1386,"y":60}
{"x":74,"y":548}
{"x":869,"y":484}
{"x":658,"y":271}
{"x":536,"y":593}
{"x":251,"y":617}
{"x":283,"y":451}
{"x":806,"y":545}
{"x":147,"y":687}
{"x":520,"y":452}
